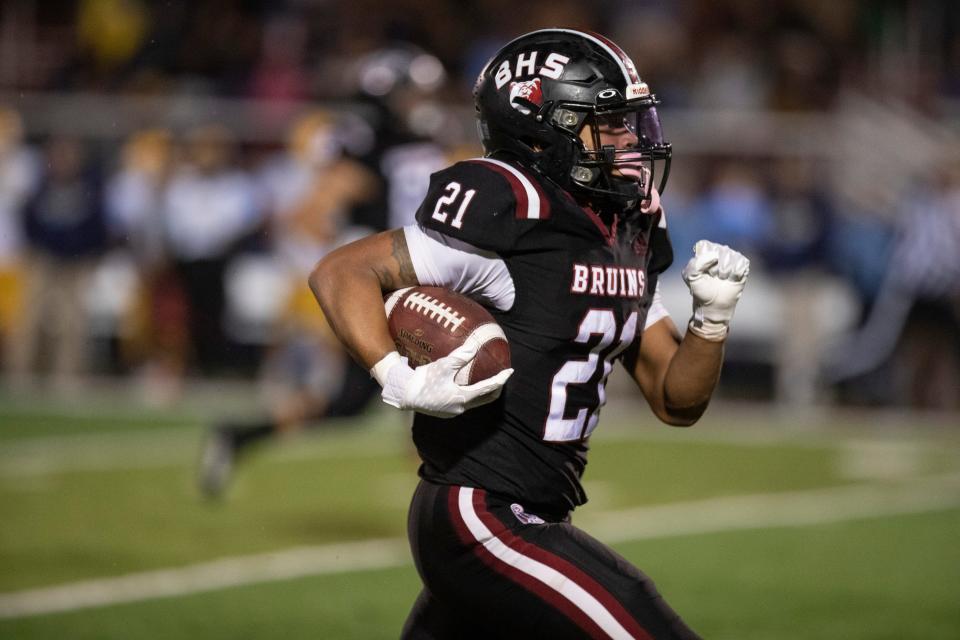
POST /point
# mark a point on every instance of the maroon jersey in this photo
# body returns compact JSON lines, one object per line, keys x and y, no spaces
{"x":582,"y":290}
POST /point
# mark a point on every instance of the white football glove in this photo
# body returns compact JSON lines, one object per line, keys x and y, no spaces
{"x":715,"y":275}
{"x":430,"y":388}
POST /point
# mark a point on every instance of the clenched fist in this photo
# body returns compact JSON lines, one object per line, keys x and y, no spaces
{"x":715,"y":275}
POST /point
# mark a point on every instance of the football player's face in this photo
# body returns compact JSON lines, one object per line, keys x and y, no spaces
{"x":616,"y":130}
{"x":611,"y":129}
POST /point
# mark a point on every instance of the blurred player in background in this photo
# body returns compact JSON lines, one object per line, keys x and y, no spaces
{"x":558,"y":230}
{"x":320,"y":198}
{"x":155,"y":336}
{"x":65,"y":232}
{"x":311,"y":188}
{"x":914,"y":325}
{"x":210,"y":207}
{"x":400,"y":87}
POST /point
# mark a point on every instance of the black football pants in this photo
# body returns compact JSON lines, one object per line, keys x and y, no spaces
{"x":491,"y":570}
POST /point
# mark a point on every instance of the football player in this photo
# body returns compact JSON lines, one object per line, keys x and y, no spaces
{"x":395,"y":85}
{"x":560,"y":232}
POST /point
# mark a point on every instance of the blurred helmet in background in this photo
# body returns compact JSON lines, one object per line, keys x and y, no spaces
{"x":404,"y":81}
{"x":399,"y":68}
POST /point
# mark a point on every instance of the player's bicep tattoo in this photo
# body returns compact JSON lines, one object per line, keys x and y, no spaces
{"x":408,"y":276}
{"x":396,"y":271}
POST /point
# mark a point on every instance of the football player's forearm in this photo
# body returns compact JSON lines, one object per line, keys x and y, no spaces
{"x":349,"y":284}
{"x":350,"y":297}
{"x":691,"y":379}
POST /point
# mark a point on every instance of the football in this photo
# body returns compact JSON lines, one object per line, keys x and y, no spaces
{"x":428,"y":323}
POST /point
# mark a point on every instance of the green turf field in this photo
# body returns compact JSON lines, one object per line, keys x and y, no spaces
{"x":752,"y":526}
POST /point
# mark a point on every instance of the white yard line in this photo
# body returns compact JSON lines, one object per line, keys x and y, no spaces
{"x":46,"y":455}
{"x":787,"y":509}
{"x":32,"y":457}
{"x":208,"y":576}
{"x":164,"y":447}
{"x":799,"y":508}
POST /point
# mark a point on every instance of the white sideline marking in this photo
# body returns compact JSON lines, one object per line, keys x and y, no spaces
{"x":31,"y":457}
{"x":171,"y":446}
{"x":787,"y":509}
{"x":881,"y":460}
{"x":208,"y":576}
{"x":798,"y":508}
{"x":42,"y":459}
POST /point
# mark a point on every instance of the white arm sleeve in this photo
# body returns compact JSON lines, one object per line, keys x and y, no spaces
{"x":442,"y":261}
{"x":657,"y":311}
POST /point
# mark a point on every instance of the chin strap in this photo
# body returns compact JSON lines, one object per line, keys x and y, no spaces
{"x":622,"y":194}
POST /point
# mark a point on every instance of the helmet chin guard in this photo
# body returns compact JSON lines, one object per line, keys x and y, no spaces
{"x":537,"y":95}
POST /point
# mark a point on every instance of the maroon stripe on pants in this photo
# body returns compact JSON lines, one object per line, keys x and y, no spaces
{"x":528,"y":582}
{"x":562,"y":566}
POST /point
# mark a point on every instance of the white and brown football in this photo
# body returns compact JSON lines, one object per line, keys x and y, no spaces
{"x":428,"y":323}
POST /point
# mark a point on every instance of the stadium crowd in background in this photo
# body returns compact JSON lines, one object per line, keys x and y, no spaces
{"x":180,"y":249}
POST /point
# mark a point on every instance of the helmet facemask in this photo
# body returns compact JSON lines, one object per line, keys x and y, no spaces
{"x":616,"y":177}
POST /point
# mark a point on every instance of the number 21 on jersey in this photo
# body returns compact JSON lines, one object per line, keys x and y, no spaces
{"x":452,"y":193}
{"x":600,"y":322}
